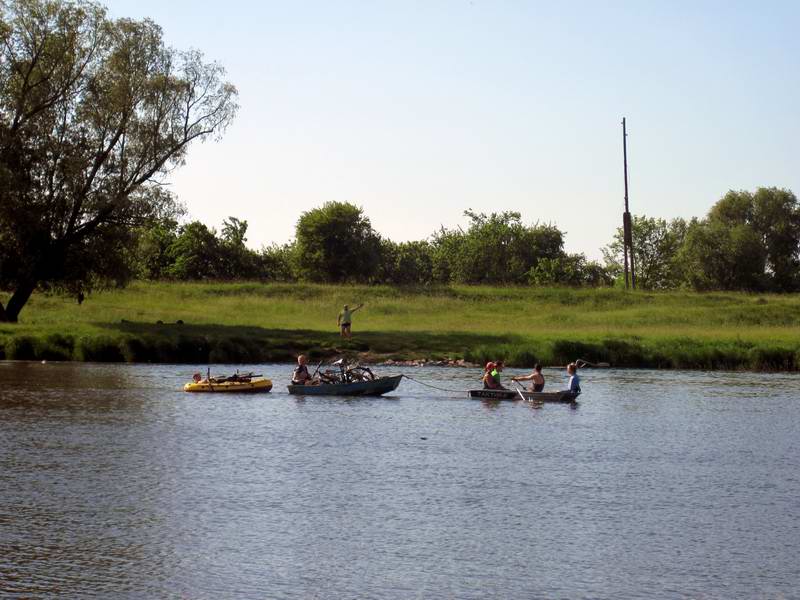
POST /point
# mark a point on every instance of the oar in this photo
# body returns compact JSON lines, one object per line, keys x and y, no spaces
{"x":536,"y":403}
{"x":519,"y":390}
{"x":317,"y":369}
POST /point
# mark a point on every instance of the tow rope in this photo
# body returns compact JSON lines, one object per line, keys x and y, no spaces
{"x":441,"y":389}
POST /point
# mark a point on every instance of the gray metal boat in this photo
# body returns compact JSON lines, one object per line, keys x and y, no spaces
{"x":562,"y":396}
{"x":374,"y":387}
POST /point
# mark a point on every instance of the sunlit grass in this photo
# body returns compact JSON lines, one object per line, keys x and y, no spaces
{"x":655,"y":329}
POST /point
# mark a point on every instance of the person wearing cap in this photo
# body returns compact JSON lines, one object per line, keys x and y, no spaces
{"x":491,"y":376}
{"x":345,"y":320}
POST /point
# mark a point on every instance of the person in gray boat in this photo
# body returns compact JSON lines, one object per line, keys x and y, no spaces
{"x":300,"y":375}
{"x":536,"y":378}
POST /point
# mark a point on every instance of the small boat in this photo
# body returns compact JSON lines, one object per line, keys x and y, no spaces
{"x":235,"y":384}
{"x":373,"y":387}
{"x":562,"y":396}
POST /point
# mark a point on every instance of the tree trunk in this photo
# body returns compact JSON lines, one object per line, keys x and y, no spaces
{"x":17,"y":301}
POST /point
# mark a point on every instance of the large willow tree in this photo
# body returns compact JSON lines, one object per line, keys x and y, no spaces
{"x":94,"y":113}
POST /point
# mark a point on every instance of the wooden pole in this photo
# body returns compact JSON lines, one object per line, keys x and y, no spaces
{"x":626,"y":217}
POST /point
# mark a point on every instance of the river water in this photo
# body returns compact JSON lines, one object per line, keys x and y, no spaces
{"x":114,"y":483}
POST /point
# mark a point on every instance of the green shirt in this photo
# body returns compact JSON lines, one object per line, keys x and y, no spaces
{"x":346,"y":316}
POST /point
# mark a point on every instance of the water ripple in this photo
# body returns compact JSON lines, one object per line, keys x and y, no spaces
{"x":659,"y":485}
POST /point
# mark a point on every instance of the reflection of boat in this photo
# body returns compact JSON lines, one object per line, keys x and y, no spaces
{"x":244,"y":385}
{"x":563,"y":396}
{"x":373,"y":387}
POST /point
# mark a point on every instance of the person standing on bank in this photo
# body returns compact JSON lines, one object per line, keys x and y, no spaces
{"x":345,"y":320}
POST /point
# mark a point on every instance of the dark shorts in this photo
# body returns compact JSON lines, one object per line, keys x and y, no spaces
{"x":345,"y":325}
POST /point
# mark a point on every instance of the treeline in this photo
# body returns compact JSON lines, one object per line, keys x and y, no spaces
{"x":336,"y":243}
{"x":748,"y":241}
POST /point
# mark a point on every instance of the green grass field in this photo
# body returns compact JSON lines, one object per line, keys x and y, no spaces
{"x":251,"y":322}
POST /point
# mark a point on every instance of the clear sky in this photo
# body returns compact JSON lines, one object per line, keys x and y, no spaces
{"x":419,"y":110}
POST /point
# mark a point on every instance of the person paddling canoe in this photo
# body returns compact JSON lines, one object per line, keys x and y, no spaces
{"x":536,"y":378}
{"x":574,"y":380}
{"x":345,"y":320}
{"x":491,"y":376}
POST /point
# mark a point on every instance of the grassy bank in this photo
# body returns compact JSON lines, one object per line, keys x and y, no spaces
{"x":248,"y":322}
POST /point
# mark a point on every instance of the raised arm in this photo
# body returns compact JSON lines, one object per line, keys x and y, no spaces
{"x":357,"y":307}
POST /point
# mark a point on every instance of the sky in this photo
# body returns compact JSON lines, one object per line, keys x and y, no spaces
{"x":417,"y":111}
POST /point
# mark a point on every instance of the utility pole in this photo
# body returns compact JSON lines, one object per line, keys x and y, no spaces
{"x":627,"y":228}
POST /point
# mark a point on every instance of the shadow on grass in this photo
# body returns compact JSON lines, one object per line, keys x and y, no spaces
{"x":145,"y":342}
{"x":209,"y":344}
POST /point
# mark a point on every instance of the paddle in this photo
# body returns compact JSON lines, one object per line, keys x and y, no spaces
{"x":536,"y":403}
{"x":317,"y":369}
{"x":519,"y":390}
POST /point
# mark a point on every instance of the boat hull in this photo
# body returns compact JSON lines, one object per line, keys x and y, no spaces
{"x":376,"y":387}
{"x":563,"y":396}
{"x":230,"y":387}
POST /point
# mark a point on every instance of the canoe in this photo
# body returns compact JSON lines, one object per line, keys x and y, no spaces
{"x":562,"y":396}
{"x":230,"y":387}
{"x":376,"y":387}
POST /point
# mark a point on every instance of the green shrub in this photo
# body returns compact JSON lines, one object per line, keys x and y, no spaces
{"x":483,"y":353}
{"x":522,"y":356}
{"x":628,"y":353}
{"x":772,"y":359}
{"x":138,"y":350}
{"x":235,"y":350}
{"x":192,"y":349}
{"x":55,"y":347}
{"x":99,"y":349}
{"x":21,"y":348}
{"x":566,"y":351}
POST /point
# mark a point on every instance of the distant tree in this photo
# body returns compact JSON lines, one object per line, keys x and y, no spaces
{"x":196,"y":254}
{"x":153,"y":256}
{"x":93,"y":112}
{"x":446,"y":245}
{"x":336,"y":243}
{"x":277,"y":263}
{"x":496,"y":249}
{"x":748,"y":241}
{"x":720,"y":256}
{"x":656,"y":243}
{"x":234,"y":232}
{"x":406,"y":263}
{"x":238,"y":261}
{"x":414,"y":263}
{"x":571,"y":270}
{"x":773,"y":215}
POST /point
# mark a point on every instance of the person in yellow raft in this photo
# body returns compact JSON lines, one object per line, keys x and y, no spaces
{"x":345,"y":320}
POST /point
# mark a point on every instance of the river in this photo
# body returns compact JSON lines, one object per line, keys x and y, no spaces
{"x":658,"y":484}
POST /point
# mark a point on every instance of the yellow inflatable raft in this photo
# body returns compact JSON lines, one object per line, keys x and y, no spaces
{"x":238,"y":387}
